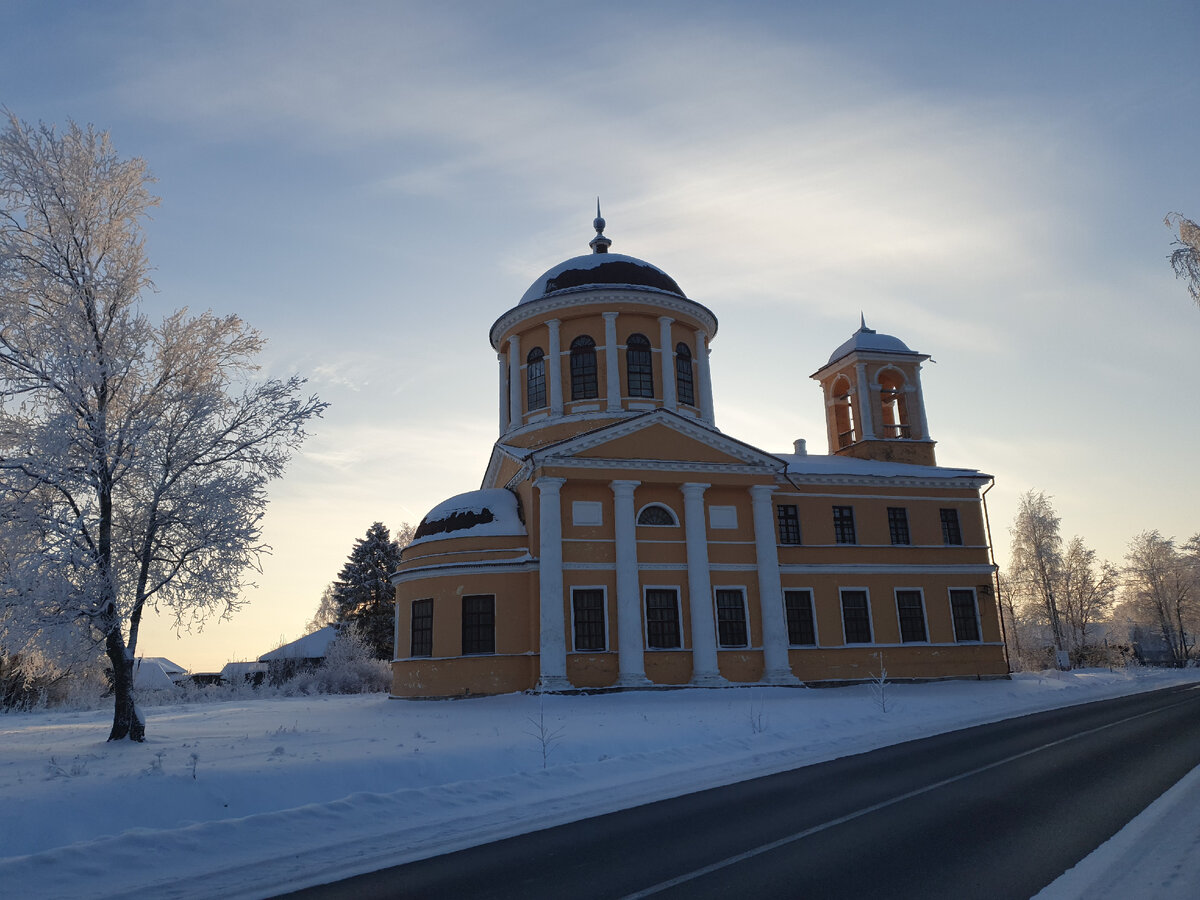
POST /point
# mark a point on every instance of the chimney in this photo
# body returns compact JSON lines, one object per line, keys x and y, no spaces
{"x":800,"y":445}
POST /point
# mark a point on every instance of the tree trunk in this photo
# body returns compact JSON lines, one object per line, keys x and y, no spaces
{"x":127,"y":721}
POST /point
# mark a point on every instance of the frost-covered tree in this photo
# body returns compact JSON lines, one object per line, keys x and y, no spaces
{"x":1036,"y":563}
{"x":327,"y":611}
{"x":364,"y":592}
{"x":1162,"y":583}
{"x":1185,"y":258}
{"x":134,"y":456}
{"x":1086,"y":592}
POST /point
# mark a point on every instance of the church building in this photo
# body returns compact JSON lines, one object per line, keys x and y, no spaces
{"x":620,"y":540}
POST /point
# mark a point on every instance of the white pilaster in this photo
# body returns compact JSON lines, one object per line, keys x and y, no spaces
{"x":514,"y":380}
{"x":776,"y":667}
{"x":553,"y":643}
{"x":611,"y":364}
{"x":503,"y":392}
{"x":705,"y":670}
{"x":668,"y":361}
{"x":554,"y":370}
{"x":865,"y":403}
{"x":705,"y":386}
{"x":630,"y":655}
{"x":922,"y":429}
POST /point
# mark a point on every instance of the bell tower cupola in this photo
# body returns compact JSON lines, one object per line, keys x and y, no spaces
{"x":874,"y":408}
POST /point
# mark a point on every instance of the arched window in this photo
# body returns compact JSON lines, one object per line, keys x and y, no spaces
{"x":684,"y":386}
{"x":843,"y":411}
{"x":895,"y":404}
{"x":639,"y":371}
{"x":656,"y":514}
{"x":583,"y":368}
{"x":535,"y":379}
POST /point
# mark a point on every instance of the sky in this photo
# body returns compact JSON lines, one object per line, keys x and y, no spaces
{"x":372,"y":184}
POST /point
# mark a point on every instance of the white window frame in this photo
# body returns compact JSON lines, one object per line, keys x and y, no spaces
{"x":604,"y":592}
{"x":646,"y":588}
{"x":924,"y":614}
{"x":978,"y":622}
{"x":842,"y":616}
{"x":812,"y":598}
{"x":644,"y":507}
{"x":741,"y":589}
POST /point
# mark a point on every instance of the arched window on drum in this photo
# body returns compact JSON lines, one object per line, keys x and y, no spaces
{"x":685,"y":386}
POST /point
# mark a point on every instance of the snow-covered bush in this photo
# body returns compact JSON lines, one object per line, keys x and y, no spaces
{"x":350,"y":667}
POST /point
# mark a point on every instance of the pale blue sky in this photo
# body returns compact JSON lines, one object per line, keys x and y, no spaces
{"x":373,"y":184}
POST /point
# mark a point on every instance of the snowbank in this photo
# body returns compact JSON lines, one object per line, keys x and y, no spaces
{"x":252,"y":797}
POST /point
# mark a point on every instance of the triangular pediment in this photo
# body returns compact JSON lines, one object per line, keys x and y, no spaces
{"x":659,"y":436}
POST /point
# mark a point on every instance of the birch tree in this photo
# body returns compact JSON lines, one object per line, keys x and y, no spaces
{"x":1086,"y":591}
{"x":1162,"y":581}
{"x":1036,"y":562}
{"x":134,"y":456}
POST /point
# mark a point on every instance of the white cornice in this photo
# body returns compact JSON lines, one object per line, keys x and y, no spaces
{"x":589,"y":296}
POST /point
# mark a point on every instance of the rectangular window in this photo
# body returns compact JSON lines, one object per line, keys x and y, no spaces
{"x":731,"y":618}
{"x":843,"y":525}
{"x":662,"y":619}
{"x":798,"y":606}
{"x":951,"y":533}
{"x":587,"y":606}
{"x":966,"y":617}
{"x":788,"y":517}
{"x":911,"y":612}
{"x":856,"y":617}
{"x":422,"y":628}
{"x":898,"y":524}
{"x":478,"y":624}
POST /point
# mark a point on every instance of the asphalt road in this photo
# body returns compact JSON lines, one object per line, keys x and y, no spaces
{"x":997,"y":811}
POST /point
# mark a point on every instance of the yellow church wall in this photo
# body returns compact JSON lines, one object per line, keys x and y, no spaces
{"x":464,"y":676}
{"x":592,"y":670}
{"x":740,"y":666}
{"x":669,"y":666}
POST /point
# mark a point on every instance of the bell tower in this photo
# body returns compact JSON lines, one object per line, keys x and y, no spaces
{"x":874,"y":408}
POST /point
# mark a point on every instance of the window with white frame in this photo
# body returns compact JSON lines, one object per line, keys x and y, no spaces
{"x":587,"y":617}
{"x":798,"y":607}
{"x":966,"y":614}
{"x":910,"y":610}
{"x":657,"y":514}
{"x":856,"y":616}
{"x":732,"y":630}
{"x":662,"y":619}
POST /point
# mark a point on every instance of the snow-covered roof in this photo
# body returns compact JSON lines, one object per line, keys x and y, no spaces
{"x":870,"y":339}
{"x":483,"y":513}
{"x":601,"y":270}
{"x":151,"y":675}
{"x":311,"y":646}
{"x":169,"y":667}
{"x":234,"y":669}
{"x":819,"y":464}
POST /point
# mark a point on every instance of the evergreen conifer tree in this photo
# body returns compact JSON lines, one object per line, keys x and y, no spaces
{"x":363,"y":592}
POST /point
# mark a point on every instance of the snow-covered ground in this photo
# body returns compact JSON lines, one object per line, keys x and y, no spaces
{"x":251,"y":797}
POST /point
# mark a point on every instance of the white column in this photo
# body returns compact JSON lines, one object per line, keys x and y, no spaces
{"x":705,"y":386}
{"x":705,"y":670}
{"x":668,"y":361}
{"x":611,"y":364}
{"x":776,"y":667}
{"x":553,"y":644}
{"x":554,"y":370}
{"x":630,"y":655}
{"x":923,"y":425}
{"x":503,"y":392}
{"x":865,"y":404}
{"x":514,"y":380}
